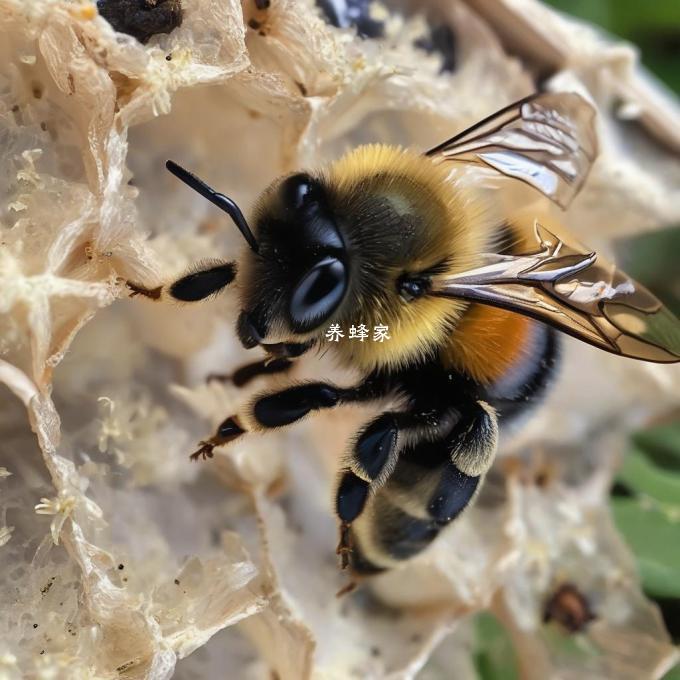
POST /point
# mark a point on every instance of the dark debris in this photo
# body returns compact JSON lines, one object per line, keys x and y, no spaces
{"x":142,"y":18}
{"x":568,"y":607}
{"x":441,"y":39}
{"x":352,"y":13}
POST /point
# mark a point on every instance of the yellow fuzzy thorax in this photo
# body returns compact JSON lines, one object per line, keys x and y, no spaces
{"x":451,"y":226}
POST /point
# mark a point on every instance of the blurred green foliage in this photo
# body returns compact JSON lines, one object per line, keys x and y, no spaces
{"x":646,"y":508}
{"x":653,"y":26}
{"x":673,"y":674}
{"x":494,"y":656}
{"x":652,"y":259}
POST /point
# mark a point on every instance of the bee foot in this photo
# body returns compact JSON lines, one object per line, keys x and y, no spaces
{"x":344,"y":548}
{"x":346,"y":589}
{"x":205,"y":451}
{"x":226,"y":432}
{"x":151,"y":293}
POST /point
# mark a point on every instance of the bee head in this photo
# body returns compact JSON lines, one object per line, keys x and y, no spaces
{"x":356,"y":245}
{"x":296,"y":281}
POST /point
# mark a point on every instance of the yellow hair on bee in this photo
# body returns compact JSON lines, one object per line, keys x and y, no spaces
{"x":453,"y":229}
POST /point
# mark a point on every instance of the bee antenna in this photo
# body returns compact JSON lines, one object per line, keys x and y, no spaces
{"x":220,"y":200}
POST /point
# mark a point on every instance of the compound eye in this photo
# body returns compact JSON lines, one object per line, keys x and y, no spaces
{"x":300,"y":191}
{"x":317,"y":294}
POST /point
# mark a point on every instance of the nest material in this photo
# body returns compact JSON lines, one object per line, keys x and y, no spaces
{"x":119,"y":558}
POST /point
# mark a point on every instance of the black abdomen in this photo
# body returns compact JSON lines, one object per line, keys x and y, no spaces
{"x":401,"y":520}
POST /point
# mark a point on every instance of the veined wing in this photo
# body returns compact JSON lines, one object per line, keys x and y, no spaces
{"x":575,"y":291}
{"x":546,"y":140}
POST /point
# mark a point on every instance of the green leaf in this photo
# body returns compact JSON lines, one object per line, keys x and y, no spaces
{"x":494,"y":655}
{"x":653,"y":27}
{"x":640,"y":474}
{"x":572,"y":648}
{"x":673,"y":674}
{"x":627,"y":18}
{"x":650,"y":258}
{"x":655,"y":541}
{"x":661,"y":445}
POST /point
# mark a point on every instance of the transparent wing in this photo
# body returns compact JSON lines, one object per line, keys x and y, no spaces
{"x":575,"y":291}
{"x":546,"y":140}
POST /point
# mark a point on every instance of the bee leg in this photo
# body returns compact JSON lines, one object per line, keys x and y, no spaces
{"x":138,"y":289}
{"x":344,"y":549}
{"x":194,"y":286}
{"x":226,"y":432}
{"x":274,"y":410}
{"x":248,"y":372}
{"x":372,"y":457}
{"x":433,"y":481}
{"x":375,"y":455}
{"x":287,"y":406}
{"x":471,"y":452}
{"x":350,"y":587}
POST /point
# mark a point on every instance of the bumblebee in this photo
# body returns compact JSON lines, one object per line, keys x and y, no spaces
{"x":390,"y":236}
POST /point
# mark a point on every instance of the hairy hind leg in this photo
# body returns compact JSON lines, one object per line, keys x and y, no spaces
{"x":431,"y":484}
{"x":374,"y":456}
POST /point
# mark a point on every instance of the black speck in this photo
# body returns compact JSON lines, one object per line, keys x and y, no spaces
{"x":442,"y":39}
{"x":347,"y":13}
{"x":142,"y":18}
{"x":45,"y":589}
{"x":168,"y":57}
{"x":176,"y":581}
{"x":15,"y":108}
{"x":42,"y":651}
{"x":262,"y":4}
{"x":622,"y":490}
{"x":35,"y":625}
{"x":254,"y":24}
{"x":121,"y":566}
